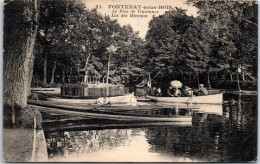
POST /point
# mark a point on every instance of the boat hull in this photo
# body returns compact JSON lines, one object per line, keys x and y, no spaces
{"x":125,"y":99}
{"x":209,"y":99}
{"x":114,"y":116}
{"x":73,"y":101}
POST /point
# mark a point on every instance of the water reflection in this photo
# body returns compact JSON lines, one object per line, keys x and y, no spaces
{"x":71,"y":143}
{"x":225,"y":133}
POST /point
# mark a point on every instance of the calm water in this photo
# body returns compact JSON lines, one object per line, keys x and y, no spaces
{"x":225,"y":133}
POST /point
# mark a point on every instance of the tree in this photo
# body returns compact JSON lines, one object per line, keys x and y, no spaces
{"x":235,"y":26}
{"x":164,"y":43}
{"x":20,"y":29}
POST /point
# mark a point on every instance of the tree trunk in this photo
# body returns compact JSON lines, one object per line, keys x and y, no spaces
{"x":13,"y":114}
{"x":19,"y":42}
{"x":70,"y":76}
{"x":243,"y":76}
{"x":238,"y":83}
{"x":63,"y":76}
{"x":198,"y":79}
{"x":45,"y":69}
{"x":190,"y":79}
{"x":209,"y":80}
{"x":53,"y":72}
{"x":108,"y":65}
{"x":231,"y":77}
{"x":86,"y":72}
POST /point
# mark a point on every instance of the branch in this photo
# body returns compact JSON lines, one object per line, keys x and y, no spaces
{"x":6,"y":3}
{"x":248,"y":21}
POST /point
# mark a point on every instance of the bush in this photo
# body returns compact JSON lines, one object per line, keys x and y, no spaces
{"x":26,"y":118}
{"x":7,"y":115}
{"x":23,"y":117}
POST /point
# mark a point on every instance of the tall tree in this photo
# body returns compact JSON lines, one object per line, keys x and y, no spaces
{"x":164,"y":43}
{"x":20,"y":29}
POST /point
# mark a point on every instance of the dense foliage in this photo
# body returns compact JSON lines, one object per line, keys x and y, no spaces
{"x":77,"y":48}
{"x":218,"y":47}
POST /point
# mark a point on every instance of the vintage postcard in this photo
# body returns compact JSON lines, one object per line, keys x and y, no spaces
{"x":130,"y":81}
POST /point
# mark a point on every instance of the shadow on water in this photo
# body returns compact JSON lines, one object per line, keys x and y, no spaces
{"x":225,"y":133}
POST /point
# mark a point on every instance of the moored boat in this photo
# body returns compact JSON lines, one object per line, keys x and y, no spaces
{"x":124,"y":99}
{"x":209,"y":99}
{"x":72,"y":101}
{"x":112,"y":114}
{"x":140,"y":85}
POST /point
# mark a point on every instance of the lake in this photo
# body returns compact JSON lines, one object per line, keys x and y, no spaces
{"x":223,"y":133}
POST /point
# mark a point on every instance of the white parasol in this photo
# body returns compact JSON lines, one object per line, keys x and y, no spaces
{"x":176,"y":84}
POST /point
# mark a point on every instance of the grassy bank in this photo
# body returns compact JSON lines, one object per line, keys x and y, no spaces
{"x":17,"y":145}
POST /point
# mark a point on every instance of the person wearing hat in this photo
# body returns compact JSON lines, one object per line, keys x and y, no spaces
{"x":202,"y":91}
{"x":187,"y":91}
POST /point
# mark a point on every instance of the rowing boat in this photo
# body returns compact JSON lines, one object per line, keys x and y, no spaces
{"x":124,"y":99}
{"x":72,"y":101}
{"x":110,"y":115}
{"x":209,"y":99}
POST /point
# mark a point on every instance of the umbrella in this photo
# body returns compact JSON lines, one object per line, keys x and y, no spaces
{"x":176,"y":84}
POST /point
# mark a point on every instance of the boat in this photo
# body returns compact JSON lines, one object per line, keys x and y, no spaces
{"x":208,"y":99}
{"x":124,"y":99}
{"x":72,"y":100}
{"x":140,"y":85}
{"x":97,"y":113}
{"x":46,"y":90}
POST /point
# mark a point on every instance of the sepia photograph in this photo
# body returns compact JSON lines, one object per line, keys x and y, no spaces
{"x":130,"y":81}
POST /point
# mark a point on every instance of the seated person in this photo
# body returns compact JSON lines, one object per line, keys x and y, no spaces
{"x":177,"y":93}
{"x":173,"y":92}
{"x":158,"y":92}
{"x":202,"y":91}
{"x":170,"y":91}
{"x":153,"y":91}
{"x":187,"y":91}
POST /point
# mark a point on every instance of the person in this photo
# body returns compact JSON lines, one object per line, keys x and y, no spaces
{"x":187,"y":91}
{"x":147,"y":89}
{"x":158,"y":92}
{"x":170,"y":91}
{"x":173,"y":92}
{"x":153,"y":91}
{"x":202,"y":91}
{"x":177,"y":92}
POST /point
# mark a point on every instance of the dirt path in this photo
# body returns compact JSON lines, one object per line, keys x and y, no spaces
{"x":18,"y":146}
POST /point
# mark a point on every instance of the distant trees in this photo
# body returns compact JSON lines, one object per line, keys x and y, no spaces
{"x":221,"y":41}
{"x":164,"y":43}
{"x":218,"y":47}
{"x":75,"y":48}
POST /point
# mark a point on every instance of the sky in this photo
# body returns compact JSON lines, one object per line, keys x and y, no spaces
{"x":137,"y":23}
